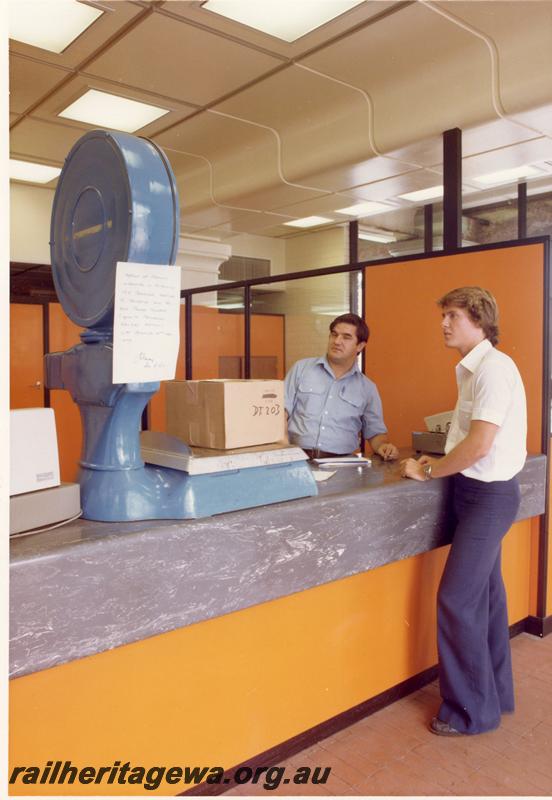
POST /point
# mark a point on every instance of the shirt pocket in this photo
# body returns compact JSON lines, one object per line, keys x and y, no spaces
{"x":465,"y":411}
{"x":347,"y":412}
{"x":352,"y":398}
{"x":310,"y":399}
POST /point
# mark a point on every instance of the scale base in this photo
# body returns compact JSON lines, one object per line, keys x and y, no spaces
{"x":161,"y":493}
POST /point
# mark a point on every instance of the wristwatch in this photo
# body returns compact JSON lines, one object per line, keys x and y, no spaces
{"x":427,"y":471}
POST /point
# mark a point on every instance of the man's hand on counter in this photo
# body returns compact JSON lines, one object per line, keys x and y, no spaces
{"x":412,"y":468}
{"x":388,"y":451}
{"x":383,"y":448}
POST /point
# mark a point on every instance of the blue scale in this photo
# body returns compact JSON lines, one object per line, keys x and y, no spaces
{"x":117,"y":200}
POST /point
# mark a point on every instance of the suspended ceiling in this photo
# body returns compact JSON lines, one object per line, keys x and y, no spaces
{"x":260,"y":131}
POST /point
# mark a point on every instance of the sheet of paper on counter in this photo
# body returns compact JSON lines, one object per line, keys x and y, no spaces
{"x":146,"y":333}
{"x":320,"y":475}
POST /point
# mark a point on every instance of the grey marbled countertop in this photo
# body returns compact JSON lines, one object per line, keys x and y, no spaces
{"x":91,"y":586}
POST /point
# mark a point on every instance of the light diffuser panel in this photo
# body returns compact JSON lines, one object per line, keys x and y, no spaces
{"x":49,"y":25}
{"x":111,"y":111}
{"x":285,"y":19}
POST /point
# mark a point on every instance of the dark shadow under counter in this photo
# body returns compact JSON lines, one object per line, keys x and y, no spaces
{"x":91,"y":587}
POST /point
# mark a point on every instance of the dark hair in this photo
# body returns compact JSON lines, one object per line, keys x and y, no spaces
{"x":480,"y":305}
{"x":362,"y":330}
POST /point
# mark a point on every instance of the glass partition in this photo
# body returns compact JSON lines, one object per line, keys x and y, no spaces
{"x":290,"y":319}
{"x":218,"y":334}
{"x":394,"y":233}
{"x":539,"y":215}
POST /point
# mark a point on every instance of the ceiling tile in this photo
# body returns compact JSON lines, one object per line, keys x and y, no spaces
{"x":522,"y":32}
{"x":477,"y":139}
{"x":182,"y":66}
{"x":319,"y":121}
{"x":232,"y":147}
{"x":47,"y":141}
{"x":324,"y":206}
{"x":514,"y":156}
{"x":400,"y":184}
{"x":412,"y":64}
{"x":117,"y":15}
{"x":539,"y":118}
{"x":30,"y":80}
{"x":493,"y":135}
{"x":360,"y":174}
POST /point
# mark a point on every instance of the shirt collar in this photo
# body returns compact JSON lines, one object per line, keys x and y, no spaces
{"x":323,"y":361}
{"x":474,"y":358}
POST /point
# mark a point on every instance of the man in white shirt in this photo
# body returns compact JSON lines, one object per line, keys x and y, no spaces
{"x":485,"y":449}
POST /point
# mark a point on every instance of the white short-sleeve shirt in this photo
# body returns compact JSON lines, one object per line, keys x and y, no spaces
{"x":490,"y":389}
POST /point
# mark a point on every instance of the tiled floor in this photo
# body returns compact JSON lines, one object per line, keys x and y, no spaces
{"x":392,"y":753}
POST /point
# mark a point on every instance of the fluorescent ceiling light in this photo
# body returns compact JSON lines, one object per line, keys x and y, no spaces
{"x":364,"y":209}
{"x":51,"y":26}
{"x":285,"y":19}
{"x":112,"y":111}
{"x":507,"y":175}
{"x":308,"y":222}
{"x":377,"y":236}
{"x":433,"y":193}
{"x":33,"y":173}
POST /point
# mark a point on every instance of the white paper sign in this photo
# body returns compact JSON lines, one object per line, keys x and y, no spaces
{"x":146,"y":331}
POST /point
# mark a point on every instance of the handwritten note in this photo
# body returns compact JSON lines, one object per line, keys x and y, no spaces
{"x":146,"y":326}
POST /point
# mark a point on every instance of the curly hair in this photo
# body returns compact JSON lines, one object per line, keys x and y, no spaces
{"x":480,"y":306}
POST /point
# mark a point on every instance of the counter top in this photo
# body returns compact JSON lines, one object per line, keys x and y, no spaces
{"x":90,"y":586}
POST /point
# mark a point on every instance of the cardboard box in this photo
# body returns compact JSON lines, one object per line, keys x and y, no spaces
{"x":225,"y":414}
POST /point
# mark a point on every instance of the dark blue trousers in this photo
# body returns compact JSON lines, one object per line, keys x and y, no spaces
{"x":475,"y":669}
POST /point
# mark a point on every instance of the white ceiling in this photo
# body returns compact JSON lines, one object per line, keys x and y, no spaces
{"x":261,"y":131}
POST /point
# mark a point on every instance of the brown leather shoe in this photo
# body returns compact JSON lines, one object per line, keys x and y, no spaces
{"x":440,"y":728}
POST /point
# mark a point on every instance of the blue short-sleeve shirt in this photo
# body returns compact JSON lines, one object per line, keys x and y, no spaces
{"x":330,"y":413}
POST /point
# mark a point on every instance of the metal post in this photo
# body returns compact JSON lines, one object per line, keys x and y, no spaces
{"x":354,"y":303}
{"x":188,"y":331}
{"x":522,"y":210}
{"x":45,"y":347}
{"x":428,"y":228}
{"x":452,"y":190}
{"x":247,"y":331}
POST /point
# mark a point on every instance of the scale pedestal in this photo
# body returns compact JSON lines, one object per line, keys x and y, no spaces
{"x":105,"y":211}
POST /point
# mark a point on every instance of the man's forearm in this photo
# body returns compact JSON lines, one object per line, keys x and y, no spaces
{"x":376,"y":441}
{"x":464,"y":455}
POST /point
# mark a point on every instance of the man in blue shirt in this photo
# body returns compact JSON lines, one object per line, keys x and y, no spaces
{"x":329,"y":402}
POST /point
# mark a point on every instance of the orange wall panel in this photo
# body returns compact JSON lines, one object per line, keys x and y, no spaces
{"x":221,"y":691}
{"x":26,"y":347}
{"x":406,"y":356}
{"x":63,"y":335}
{"x":549,"y":576}
{"x":268,"y":337}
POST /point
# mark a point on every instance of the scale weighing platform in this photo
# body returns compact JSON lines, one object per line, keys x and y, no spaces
{"x":117,"y":200}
